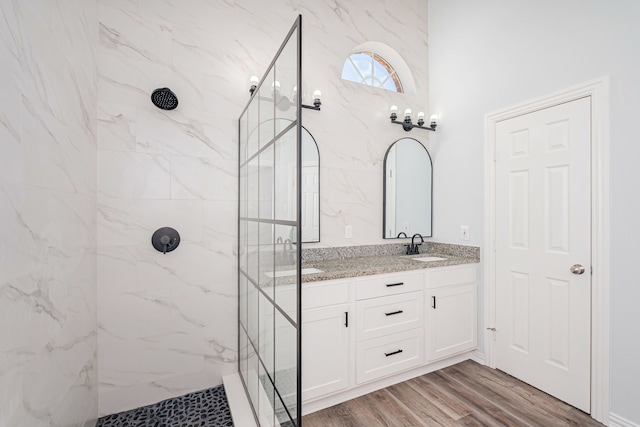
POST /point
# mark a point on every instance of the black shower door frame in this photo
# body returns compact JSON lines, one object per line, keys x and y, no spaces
{"x":269,"y":304}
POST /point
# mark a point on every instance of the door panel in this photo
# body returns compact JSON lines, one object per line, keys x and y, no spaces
{"x":310,"y":204}
{"x":519,"y":209}
{"x":519,"y":339}
{"x":543,"y":227}
{"x":557,"y":197}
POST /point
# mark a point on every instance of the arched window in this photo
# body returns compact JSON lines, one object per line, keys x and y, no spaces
{"x":371,"y":69}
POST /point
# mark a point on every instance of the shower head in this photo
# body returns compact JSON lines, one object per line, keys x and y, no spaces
{"x":164,"y":99}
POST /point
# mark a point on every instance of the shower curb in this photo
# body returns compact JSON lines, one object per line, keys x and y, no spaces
{"x":238,"y":404}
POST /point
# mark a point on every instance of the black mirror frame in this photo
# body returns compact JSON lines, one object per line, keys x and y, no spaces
{"x":384,"y":188}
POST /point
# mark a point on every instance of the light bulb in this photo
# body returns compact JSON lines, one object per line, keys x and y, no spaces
{"x":253,"y":84}
{"x":433,"y":119}
{"x":394,"y":109}
{"x":407,"y":113}
{"x":316,"y":98}
{"x":275,"y":89}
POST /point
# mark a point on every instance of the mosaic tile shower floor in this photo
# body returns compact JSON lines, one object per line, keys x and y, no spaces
{"x":206,"y":408}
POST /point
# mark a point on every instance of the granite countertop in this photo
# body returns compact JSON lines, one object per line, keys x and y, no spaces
{"x":368,"y":265}
{"x":357,"y":261}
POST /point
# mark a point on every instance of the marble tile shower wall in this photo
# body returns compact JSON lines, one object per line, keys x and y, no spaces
{"x":167,"y":323}
{"x":48,"y":82}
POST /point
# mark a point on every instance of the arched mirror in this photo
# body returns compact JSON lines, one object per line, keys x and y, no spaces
{"x":278,"y":186}
{"x":408,"y":188}
{"x":310,"y":188}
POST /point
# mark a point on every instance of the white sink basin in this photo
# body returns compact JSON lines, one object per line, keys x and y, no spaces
{"x":287,"y":273}
{"x":428,"y":259}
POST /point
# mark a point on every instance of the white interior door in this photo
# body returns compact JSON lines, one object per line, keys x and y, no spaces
{"x":310,"y":204}
{"x":543,"y":228}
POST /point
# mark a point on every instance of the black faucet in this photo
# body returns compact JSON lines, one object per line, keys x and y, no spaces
{"x":402,"y":232}
{"x":412,"y":249}
{"x":288,"y":254}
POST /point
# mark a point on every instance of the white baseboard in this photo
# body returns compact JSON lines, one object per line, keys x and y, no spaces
{"x":240,"y":408}
{"x":478,"y":357}
{"x":618,"y":421}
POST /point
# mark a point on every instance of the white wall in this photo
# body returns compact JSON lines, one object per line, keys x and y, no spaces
{"x":353,"y":129}
{"x":167,"y":323}
{"x":488,"y":55}
{"x":47,"y":212}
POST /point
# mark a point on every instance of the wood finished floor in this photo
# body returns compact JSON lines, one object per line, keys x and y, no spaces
{"x":466,"y":394}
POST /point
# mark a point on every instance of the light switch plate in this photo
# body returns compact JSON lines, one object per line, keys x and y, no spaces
{"x":348,"y":231}
{"x":464,"y":232}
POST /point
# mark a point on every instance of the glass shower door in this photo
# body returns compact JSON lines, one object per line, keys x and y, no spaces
{"x":269,"y":241}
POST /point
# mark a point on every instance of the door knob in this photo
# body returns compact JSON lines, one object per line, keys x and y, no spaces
{"x":577,"y":269}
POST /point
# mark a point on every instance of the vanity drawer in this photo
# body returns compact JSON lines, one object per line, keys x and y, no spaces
{"x":387,"y":355}
{"x":458,"y":275}
{"x":377,"y":317}
{"x":325,"y":293}
{"x":388,"y":284}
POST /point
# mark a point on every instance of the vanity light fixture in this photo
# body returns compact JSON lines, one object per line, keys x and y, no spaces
{"x":407,"y":124}
{"x":253,"y":84}
{"x":282,"y":102}
{"x":316,"y":101}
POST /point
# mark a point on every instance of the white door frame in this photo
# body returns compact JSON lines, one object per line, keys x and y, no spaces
{"x":598,"y":90}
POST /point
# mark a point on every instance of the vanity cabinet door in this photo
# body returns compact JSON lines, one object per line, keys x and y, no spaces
{"x":451,"y":320}
{"x":325,"y":351}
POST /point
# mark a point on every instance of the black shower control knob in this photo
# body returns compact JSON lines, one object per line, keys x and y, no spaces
{"x":165,"y":239}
